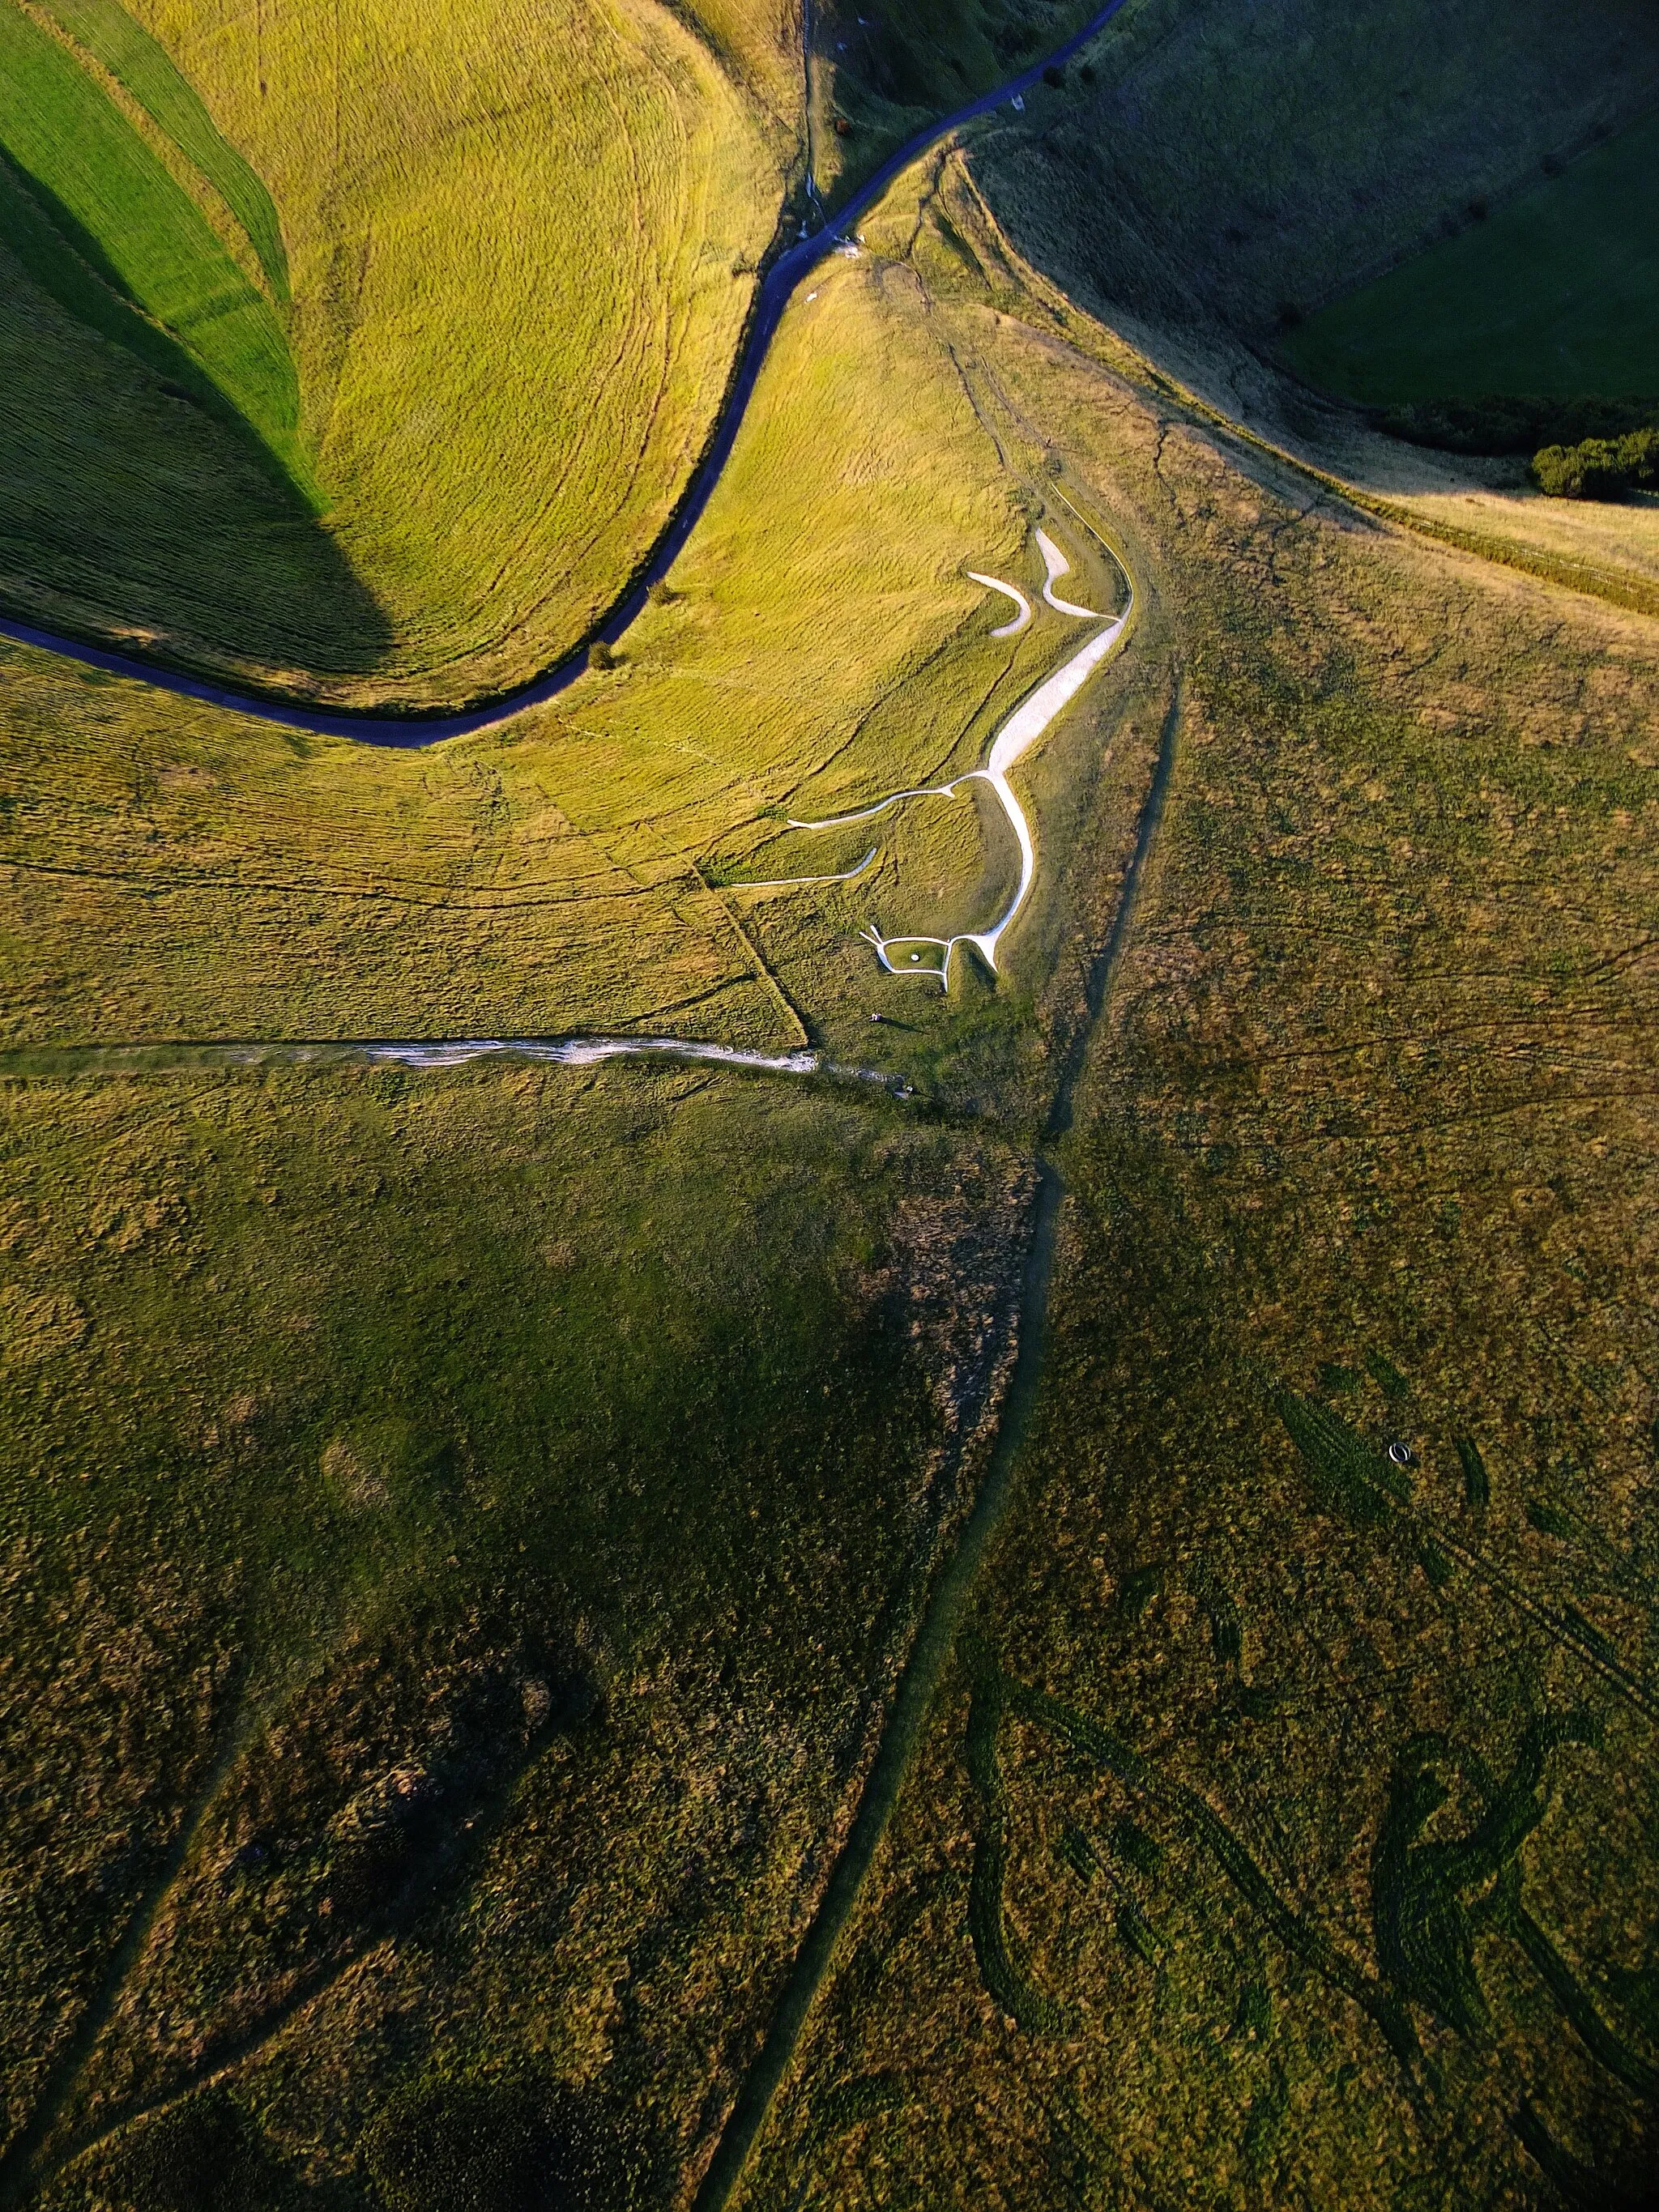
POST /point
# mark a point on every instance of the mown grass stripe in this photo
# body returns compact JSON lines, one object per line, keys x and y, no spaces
{"x":114,"y":203}
{"x":143,"y":66}
{"x":50,"y":260}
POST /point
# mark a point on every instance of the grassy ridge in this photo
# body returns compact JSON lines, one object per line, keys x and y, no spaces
{"x":457,"y":1525}
{"x":1556,"y":293}
{"x":144,"y":67}
{"x":121,"y":212}
{"x":1191,"y":1866}
{"x":706,"y":1350}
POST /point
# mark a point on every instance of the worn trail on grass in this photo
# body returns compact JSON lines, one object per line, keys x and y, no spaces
{"x":930,"y":1653}
{"x":583,"y":1051}
{"x":787,"y":269}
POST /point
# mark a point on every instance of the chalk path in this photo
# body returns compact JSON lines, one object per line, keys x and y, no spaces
{"x":992,"y":584}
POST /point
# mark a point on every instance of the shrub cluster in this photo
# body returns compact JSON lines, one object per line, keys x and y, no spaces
{"x":469,"y":2144}
{"x":1507,"y":423}
{"x":199,"y":2155}
{"x":1598,"y":468}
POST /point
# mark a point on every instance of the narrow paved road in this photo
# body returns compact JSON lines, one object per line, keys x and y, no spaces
{"x":786,"y":271}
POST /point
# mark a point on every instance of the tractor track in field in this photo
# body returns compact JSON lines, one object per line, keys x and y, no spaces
{"x":927,"y":1661}
{"x":788,"y":267}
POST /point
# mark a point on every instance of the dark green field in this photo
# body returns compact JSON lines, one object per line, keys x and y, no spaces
{"x":1556,"y":292}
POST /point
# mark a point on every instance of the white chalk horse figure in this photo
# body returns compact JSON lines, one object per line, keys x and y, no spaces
{"x":907,"y":956}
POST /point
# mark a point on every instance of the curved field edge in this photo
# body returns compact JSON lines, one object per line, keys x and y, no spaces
{"x":579,"y":867}
{"x":487,"y":659}
{"x":502,"y":436}
{"x":1133,"y":350}
{"x":134,"y":228}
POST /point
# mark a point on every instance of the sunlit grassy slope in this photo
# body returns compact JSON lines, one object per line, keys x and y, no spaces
{"x":821,"y":645}
{"x":1366,"y":1119}
{"x":519,"y":246}
{"x":143,"y":68}
{"x":553,"y":1386}
{"x":117,"y":217}
{"x":519,"y":243}
{"x":462,"y":1528}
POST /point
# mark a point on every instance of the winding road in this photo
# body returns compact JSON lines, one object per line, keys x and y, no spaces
{"x":924,"y":1661}
{"x":786,"y":270}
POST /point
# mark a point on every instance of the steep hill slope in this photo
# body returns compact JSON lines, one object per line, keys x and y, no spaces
{"x":519,"y":243}
{"x":1225,"y":164}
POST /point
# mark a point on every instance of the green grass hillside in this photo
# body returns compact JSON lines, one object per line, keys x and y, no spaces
{"x":499,"y":393}
{"x":143,"y":68}
{"x":537,"y":1443}
{"x":822,"y":643}
{"x":1558,"y":292}
{"x":110,"y":207}
{"x":457,"y":1534}
{"x":461,"y":1529}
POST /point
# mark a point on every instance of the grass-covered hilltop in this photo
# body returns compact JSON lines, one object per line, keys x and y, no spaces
{"x":865,"y":1415}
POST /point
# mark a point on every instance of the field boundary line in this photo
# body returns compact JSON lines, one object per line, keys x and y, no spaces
{"x":781,"y":269}
{"x":934,"y":1642}
{"x":763,"y":974}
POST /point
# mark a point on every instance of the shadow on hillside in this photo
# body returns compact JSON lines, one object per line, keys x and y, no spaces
{"x":135,"y":497}
{"x":1209,"y":177}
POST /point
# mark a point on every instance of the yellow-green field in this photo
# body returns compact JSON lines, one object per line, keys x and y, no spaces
{"x":821,"y":645}
{"x":519,"y":245}
{"x":366,"y":355}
